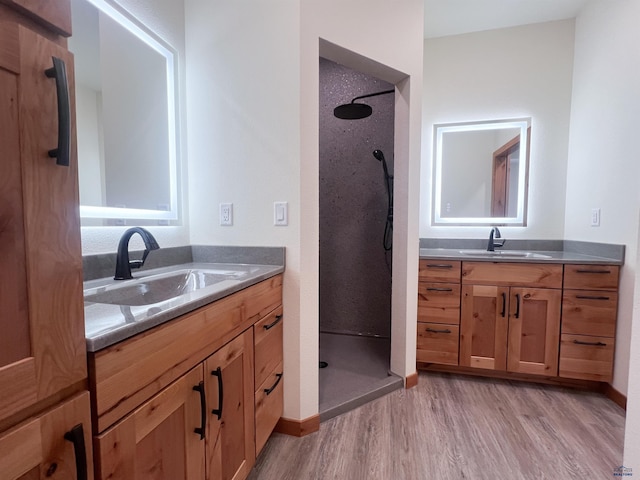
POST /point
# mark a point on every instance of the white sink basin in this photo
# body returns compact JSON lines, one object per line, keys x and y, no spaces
{"x":158,"y":288}
{"x":503,"y":254}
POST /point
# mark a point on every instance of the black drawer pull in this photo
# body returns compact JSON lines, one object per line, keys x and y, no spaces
{"x":439,"y":265}
{"x":76,"y":436}
{"x":517,"y":314}
{"x":201,"y":430}
{"x":218,"y":411}
{"x":269,"y":390}
{"x":591,"y":297}
{"x":433,"y":330}
{"x":593,"y":271}
{"x":591,"y":344}
{"x":504,"y":305}
{"x":59,"y":73}
{"x":271,"y":325}
{"x":433,"y":289}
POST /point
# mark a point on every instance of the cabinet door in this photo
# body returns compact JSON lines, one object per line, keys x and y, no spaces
{"x":534,"y":331}
{"x":229,"y":387}
{"x":55,"y":445}
{"x":483,"y":327}
{"x":42,"y":346}
{"x":163,"y":439}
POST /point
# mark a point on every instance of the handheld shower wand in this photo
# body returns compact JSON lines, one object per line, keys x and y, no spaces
{"x":387,"y":240}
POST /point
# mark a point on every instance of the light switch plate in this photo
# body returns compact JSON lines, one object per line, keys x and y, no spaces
{"x":280,"y":214}
{"x":595,"y":217}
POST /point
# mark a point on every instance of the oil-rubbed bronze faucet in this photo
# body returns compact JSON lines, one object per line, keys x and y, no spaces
{"x":495,"y":233}
{"x":123,"y":264}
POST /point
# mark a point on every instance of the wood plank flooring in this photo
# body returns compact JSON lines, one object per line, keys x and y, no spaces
{"x":458,"y":427}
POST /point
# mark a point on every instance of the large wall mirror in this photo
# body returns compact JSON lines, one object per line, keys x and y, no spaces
{"x":481,"y":173}
{"x":126,"y":117}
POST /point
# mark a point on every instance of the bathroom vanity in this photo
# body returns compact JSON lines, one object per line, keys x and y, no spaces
{"x":548,"y":315}
{"x":196,"y":394}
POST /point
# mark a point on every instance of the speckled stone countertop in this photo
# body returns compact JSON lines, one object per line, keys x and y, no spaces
{"x":544,"y":251}
{"x":107,"y":324}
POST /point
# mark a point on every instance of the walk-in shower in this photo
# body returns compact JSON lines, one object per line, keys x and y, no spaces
{"x":356,"y":209}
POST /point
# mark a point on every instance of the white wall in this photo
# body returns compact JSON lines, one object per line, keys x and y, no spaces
{"x":253,"y":139}
{"x":507,"y":73}
{"x":603,"y":174}
{"x":166,"y":19}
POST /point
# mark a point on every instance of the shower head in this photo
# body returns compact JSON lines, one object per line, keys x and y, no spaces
{"x":357,"y":111}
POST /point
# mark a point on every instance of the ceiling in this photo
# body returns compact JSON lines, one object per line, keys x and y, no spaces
{"x":453,"y":17}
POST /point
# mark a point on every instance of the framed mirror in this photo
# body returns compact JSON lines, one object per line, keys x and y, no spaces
{"x":481,"y":173}
{"x":126,"y":117}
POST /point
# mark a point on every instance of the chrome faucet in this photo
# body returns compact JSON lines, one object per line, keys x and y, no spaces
{"x":495,"y":233}
{"x":123,"y":264}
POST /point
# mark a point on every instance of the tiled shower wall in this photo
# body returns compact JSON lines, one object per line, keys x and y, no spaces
{"x":355,"y":273}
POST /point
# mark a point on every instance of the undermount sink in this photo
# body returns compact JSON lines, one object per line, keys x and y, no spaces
{"x":159,"y":288}
{"x":503,"y":254}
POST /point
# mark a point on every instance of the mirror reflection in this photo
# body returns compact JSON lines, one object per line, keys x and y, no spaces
{"x":125,"y":113}
{"x":480,"y":173}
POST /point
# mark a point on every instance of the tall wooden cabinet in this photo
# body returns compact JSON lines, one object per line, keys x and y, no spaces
{"x":42,"y":346}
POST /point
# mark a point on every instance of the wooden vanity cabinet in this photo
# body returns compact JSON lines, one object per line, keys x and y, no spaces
{"x":589,"y":312}
{"x":199,"y":370}
{"x":438,"y":312}
{"x":508,"y":327}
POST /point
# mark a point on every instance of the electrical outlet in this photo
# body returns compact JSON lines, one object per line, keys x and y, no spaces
{"x":226,"y":214}
{"x":595,"y":217}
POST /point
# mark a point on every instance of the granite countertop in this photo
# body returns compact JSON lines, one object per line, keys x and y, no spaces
{"x":502,"y":255}
{"x":107,"y":324}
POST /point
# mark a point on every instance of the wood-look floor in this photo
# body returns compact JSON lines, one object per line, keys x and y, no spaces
{"x":458,"y":427}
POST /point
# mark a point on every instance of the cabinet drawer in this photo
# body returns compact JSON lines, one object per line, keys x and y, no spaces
{"x":439,"y":270}
{"x":437,"y":343}
{"x":589,"y":312}
{"x":591,"y":277}
{"x":513,"y":274}
{"x":586,"y":358}
{"x":439,"y":303}
{"x":268,"y":345}
{"x":269,"y":401}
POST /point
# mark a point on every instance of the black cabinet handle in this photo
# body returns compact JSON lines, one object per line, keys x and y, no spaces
{"x":592,"y":344}
{"x":271,"y":325}
{"x":504,"y":304}
{"x":433,"y":330}
{"x":433,"y":289}
{"x":590,"y":297}
{"x":517,"y":314}
{"x":439,"y":265}
{"x":76,"y":436}
{"x":59,"y":72}
{"x":203,"y":411}
{"x":218,"y":411}
{"x":269,"y":390}
{"x":593,"y":271}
